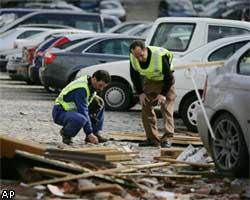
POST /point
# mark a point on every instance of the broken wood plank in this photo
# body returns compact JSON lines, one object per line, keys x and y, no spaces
{"x":185,"y":142}
{"x":100,"y":172}
{"x":174,"y":176}
{"x":8,"y":146}
{"x":201,"y":165}
{"x":118,"y":158}
{"x":79,"y":157}
{"x":74,"y":167}
{"x":50,"y":171}
{"x":187,"y":138}
{"x":56,"y":163}
{"x":172,"y":152}
{"x":102,"y":188}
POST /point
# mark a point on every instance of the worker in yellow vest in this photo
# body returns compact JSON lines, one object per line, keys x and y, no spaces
{"x":151,"y":72}
{"x":74,"y":106}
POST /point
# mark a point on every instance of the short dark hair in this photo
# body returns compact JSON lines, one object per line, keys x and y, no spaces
{"x":102,"y":75}
{"x":137,"y":43}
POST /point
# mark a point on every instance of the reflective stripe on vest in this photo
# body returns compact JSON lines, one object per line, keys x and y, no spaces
{"x":82,"y":82}
{"x":154,"y":70}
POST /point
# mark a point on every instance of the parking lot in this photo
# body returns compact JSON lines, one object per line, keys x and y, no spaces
{"x":26,"y":114}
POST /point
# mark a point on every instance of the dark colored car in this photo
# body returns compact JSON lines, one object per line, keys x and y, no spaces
{"x":61,"y":67}
{"x":180,"y":8}
{"x":60,"y":42}
{"x":79,"y":20}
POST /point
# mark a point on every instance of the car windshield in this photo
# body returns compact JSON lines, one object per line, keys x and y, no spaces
{"x":173,"y":36}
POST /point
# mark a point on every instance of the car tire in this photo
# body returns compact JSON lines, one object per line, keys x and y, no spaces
{"x":117,"y":97}
{"x":229,"y":150}
{"x":189,"y":112}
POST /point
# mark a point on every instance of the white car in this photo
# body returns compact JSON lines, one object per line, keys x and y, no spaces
{"x":37,"y":39}
{"x":119,"y":94}
{"x":114,"y":8}
{"x":126,"y":26}
{"x":182,"y":35}
{"x":7,"y":39}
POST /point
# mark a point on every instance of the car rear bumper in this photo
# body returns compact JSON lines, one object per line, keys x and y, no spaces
{"x":18,"y":70}
{"x":49,"y":79}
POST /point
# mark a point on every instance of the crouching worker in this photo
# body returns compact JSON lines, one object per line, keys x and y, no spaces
{"x":78,"y":106}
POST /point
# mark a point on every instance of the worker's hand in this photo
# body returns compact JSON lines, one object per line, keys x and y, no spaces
{"x":93,"y":139}
{"x":143,"y":98}
{"x":160,"y":99}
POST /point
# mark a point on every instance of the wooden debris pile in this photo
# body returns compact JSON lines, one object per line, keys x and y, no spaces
{"x":100,"y":172}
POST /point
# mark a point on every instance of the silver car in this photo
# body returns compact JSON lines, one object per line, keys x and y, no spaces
{"x":227,"y":104}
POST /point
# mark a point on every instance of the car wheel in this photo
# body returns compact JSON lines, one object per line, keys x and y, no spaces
{"x":229,"y":150}
{"x":189,"y":112}
{"x":117,"y":97}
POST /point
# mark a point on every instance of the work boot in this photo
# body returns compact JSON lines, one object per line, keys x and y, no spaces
{"x":65,"y":139}
{"x":100,"y":138}
{"x":148,"y":143}
{"x":166,"y":144}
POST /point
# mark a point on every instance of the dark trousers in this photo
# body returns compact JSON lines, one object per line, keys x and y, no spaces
{"x":72,"y":122}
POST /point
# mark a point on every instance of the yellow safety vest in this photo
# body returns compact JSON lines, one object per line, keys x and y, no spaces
{"x":154,"y":70}
{"x":81,"y":82}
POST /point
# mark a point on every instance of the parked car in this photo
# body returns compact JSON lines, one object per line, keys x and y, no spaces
{"x":7,"y":39}
{"x":125,"y":26}
{"x":38,"y":38}
{"x":79,"y":20}
{"x":184,"y":34}
{"x":120,"y":95}
{"x":62,"y":5}
{"x":58,"y":42}
{"x":114,"y":8}
{"x":180,"y":8}
{"x":227,"y":106}
{"x":236,"y":10}
{"x":110,"y":21}
{"x":61,"y":67}
{"x":33,"y":41}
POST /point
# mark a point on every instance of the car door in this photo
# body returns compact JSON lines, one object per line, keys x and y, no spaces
{"x":109,"y":50}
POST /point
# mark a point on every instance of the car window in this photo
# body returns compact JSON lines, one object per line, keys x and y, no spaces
{"x":225,"y":52}
{"x":27,"y":34}
{"x":112,"y":46}
{"x":216,"y":32}
{"x":76,"y":21}
{"x":244,"y":64}
{"x":83,"y":46}
{"x":173,"y":36}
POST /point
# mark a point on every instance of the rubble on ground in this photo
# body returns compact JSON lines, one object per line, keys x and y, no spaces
{"x":118,"y":170}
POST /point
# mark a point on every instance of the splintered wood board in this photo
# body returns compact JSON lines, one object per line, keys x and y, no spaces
{"x":8,"y":146}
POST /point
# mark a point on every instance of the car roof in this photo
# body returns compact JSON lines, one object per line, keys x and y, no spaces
{"x":105,"y":36}
{"x":200,"y":20}
{"x":64,"y":12}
